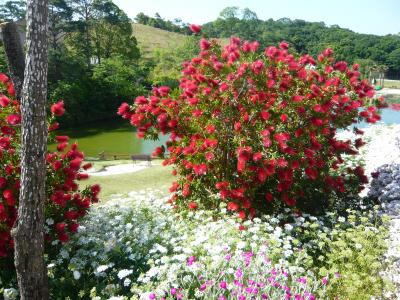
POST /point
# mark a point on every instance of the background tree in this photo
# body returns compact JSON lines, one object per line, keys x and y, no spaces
{"x":29,"y":231}
{"x":13,"y":10}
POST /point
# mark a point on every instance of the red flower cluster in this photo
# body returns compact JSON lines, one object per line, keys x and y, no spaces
{"x":257,"y":129}
{"x":66,"y":204}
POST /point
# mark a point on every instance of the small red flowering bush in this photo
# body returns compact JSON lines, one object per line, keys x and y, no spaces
{"x":258,"y":129}
{"x":65,"y":204}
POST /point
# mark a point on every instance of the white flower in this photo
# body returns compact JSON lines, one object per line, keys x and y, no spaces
{"x":127,"y":282}
{"x":341,"y":219}
{"x":288,"y":227}
{"x":10,"y":294}
{"x":77,"y":275}
{"x":102,"y":268}
{"x":49,"y":221}
{"x":358,"y":246}
{"x":123,"y":273}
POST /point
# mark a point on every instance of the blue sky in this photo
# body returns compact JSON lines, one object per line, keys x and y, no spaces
{"x":364,"y":16}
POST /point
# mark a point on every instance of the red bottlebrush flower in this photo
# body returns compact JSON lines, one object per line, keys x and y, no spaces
{"x":10,"y":89}
{"x":341,"y":66}
{"x":284,"y":117}
{"x":311,"y":173}
{"x":60,"y":227}
{"x":63,"y":237}
{"x":54,"y":126}
{"x":82,"y":176}
{"x":284,"y":45}
{"x":4,"y":101}
{"x":61,"y":147}
{"x":73,"y":227}
{"x":232,"y":206}
{"x":241,"y":227}
{"x":269,"y":197}
{"x":174,"y":187}
{"x":75,"y":164}
{"x":95,"y":189}
{"x":265,"y":115}
{"x":57,"y":109}
{"x":195,"y":28}
{"x":3,"y":214}
{"x":237,"y":126}
{"x":242,"y":214}
{"x":56,"y":165}
{"x":289,"y":201}
{"x":4,"y":78}
{"x":158,"y":152}
{"x":222,"y":185}
{"x":62,"y":138}
{"x":262,"y":175}
{"x":5,"y":143}
{"x":209,"y":156}
{"x":210,"y":129}
{"x":359,"y":143}
{"x":282,"y":163}
{"x":163,"y":91}
{"x":186,"y":190}
{"x":123,"y":109}
{"x":3,"y":182}
{"x":87,"y":166}
{"x":257,"y":156}
{"x":192,"y":205}
{"x":9,"y":197}
{"x":204,"y":44}
{"x":13,"y":119}
{"x":71,"y":215}
{"x":375,"y":174}
{"x":200,"y":169}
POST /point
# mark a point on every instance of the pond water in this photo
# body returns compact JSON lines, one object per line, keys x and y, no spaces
{"x":114,"y":136}
{"x":118,"y":136}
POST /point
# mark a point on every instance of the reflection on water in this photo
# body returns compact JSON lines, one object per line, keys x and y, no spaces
{"x":115,"y":137}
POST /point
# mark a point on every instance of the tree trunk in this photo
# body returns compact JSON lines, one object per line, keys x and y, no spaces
{"x":28,"y":234}
{"x":15,"y":55}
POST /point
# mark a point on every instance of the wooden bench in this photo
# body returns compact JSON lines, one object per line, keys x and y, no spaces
{"x":141,"y":157}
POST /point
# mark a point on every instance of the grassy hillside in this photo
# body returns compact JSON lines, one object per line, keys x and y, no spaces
{"x":150,"y":38}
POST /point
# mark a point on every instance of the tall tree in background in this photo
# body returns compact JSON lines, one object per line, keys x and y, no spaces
{"x":29,"y":231}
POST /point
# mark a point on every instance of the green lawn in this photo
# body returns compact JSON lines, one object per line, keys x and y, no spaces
{"x":156,"y":176}
{"x":150,"y":38}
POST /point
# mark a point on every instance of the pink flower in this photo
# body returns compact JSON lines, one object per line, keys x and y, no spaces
{"x":57,"y":109}
{"x":195,"y":28}
{"x":191,"y":260}
{"x":223,"y":285}
{"x":4,"y":100}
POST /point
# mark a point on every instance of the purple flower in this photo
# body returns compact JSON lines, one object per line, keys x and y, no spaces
{"x":228,"y":257}
{"x":221,"y":298}
{"x":325,"y":280}
{"x":173,"y":291}
{"x":239,"y":273}
{"x":302,"y":280}
{"x":191,"y":260}
{"x":337,"y":275}
{"x":152,"y":296}
{"x":242,"y":297}
{"x":222,"y":285}
{"x":203,"y":287}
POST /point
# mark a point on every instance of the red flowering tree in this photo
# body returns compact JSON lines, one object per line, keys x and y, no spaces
{"x":65,"y":205}
{"x":257,"y":130}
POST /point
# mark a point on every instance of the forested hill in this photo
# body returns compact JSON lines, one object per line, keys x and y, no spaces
{"x":310,"y":37}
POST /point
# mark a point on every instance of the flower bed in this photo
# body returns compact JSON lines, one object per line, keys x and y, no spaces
{"x":142,"y":249}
